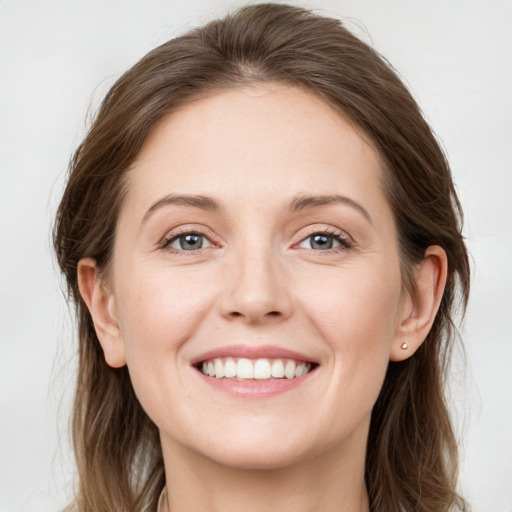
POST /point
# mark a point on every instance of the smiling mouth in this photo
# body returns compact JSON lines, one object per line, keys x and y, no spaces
{"x":260,"y":369}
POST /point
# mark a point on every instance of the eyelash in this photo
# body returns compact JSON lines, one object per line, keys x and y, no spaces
{"x":168,"y":240}
{"x":338,"y":236}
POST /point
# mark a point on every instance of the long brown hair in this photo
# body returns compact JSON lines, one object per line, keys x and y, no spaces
{"x":411,"y":455}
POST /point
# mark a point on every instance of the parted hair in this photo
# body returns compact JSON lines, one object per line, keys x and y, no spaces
{"x":411,"y":459}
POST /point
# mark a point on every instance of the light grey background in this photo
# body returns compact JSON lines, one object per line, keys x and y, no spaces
{"x":57,"y":58}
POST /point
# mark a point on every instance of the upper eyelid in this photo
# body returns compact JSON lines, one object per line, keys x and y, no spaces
{"x":165,"y":244}
{"x":327,"y":230}
{"x":345,"y":242}
{"x":301,"y":235}
{"x":189,"y":229}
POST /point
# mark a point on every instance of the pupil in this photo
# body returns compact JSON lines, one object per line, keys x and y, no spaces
{"x":188,"y":242}
{"x":322,"y":242}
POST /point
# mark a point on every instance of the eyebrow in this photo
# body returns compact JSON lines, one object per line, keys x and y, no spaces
{"x":303,"y":202}
{"x":202,"y":202}
{"x":299,"y":203}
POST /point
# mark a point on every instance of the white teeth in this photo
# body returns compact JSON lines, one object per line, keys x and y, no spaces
{"x":300,"y":370}
{"x":219,"y":369}
{"x":244,"y":369}
{"x":260,"y":369}
{"x":229,"y":368}
{"x":289,"y":370}
{"x":278,"y":369}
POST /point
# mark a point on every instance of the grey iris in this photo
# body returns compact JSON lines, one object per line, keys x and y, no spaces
{"x":321,"y":242}
{"x":191,"y":242}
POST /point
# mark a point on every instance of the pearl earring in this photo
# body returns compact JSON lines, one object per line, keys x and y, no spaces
{"x":404,"y":346}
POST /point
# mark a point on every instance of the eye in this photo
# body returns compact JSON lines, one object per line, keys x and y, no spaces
{"x":325,"y":241}
{"x":187,"y":242}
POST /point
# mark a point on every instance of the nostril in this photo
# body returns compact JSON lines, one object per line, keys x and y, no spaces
{"x":237,"y":314}
{"x":270,"y":313}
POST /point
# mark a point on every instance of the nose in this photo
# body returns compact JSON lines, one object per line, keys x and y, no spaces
{"x":256,"y":291}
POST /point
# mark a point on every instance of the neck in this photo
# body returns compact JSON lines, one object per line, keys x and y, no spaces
{"x":324,"y":483}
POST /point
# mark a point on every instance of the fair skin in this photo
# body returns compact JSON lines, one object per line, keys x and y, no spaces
{"x":293,"y":249}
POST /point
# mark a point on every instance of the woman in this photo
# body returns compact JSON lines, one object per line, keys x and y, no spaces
{"x":263,"y":242}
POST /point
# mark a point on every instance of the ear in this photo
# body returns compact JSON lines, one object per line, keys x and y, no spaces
{"x":101,"y":304}
{"x":421,"y":304}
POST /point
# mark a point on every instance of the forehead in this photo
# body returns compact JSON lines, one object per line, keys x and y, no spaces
{"x":255,"y":144}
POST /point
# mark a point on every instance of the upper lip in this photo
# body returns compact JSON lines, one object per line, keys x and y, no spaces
{"x":252,"y":352}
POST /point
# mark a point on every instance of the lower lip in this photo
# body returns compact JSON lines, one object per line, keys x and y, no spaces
{"x":254,"y":388}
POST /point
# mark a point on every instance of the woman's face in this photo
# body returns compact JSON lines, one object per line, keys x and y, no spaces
{"x":255,"y":236}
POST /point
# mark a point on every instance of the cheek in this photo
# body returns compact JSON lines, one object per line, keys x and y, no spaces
{"x":160,"y":310}
{"x":353,"y":304}
{"x":357,"y":316}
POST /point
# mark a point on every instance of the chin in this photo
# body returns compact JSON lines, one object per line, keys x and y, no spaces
{"x":257,"y":458}
{"x":264,"y":450}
